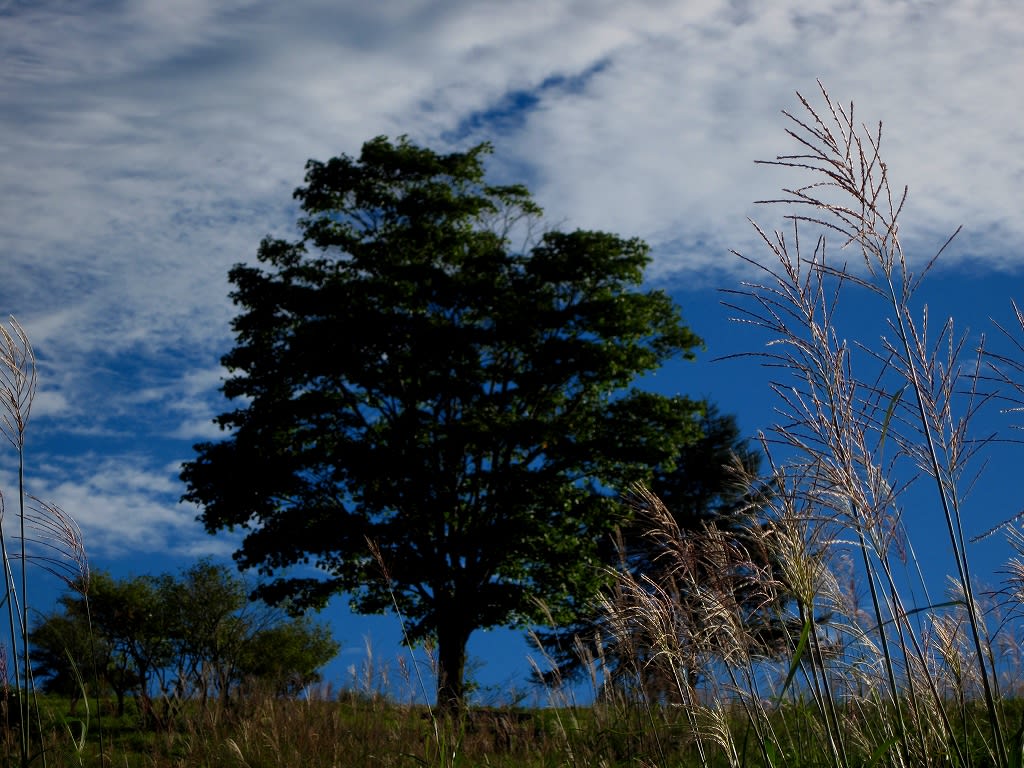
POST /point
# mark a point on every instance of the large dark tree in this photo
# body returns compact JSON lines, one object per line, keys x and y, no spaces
{"x":403,"y":375}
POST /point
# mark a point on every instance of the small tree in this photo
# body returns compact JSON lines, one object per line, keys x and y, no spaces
{"x":67,"y":656}
{"x":287,"y":656}
{"x":130,"y":616}
{"x":204,"y":624}
{"x":114,"y":642}
{"x":406,"y":377}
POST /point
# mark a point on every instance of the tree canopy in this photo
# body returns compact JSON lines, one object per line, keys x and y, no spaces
{"x":405,"y":378}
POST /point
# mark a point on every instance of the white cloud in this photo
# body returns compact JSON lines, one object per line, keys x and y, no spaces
{"x":147,"y":150}
{"x":49,"y":403}
{"x":123,"y":504}
{"x":151,"y":154}
{"x":198,"y":430}
{"x":666,"y":135}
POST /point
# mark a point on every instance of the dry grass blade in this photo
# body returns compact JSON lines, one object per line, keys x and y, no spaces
{"x":56,"y":544}
{"x":17,"y":381}
{"x":44,"y":534}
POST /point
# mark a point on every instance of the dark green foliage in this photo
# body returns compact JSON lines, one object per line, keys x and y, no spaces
{"x":65,"y":653}
{"x":704,"y":485}
{"x":190,"y":636}
{"x":709,"y":483}
{"x":404,"y":375}
{"x":111,"y":638}
{"x":288,"y":656}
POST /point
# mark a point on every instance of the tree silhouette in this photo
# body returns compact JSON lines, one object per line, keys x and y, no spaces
{"x":404,"y":377}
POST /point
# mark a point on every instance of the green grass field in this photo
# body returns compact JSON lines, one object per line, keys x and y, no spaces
{"x":354,"y":730}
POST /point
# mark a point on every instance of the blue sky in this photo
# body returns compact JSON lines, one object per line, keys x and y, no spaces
{"x":146,"y":146}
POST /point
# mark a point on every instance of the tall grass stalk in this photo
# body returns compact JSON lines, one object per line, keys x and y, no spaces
{"x":846,"y":406}
{"x":17,"y":391}
{"x":864,"y":428}
{"x":43,"y":535}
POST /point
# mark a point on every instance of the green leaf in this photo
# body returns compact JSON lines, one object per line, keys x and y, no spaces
{"x":893,"y":401}
{"x":801,"y":648}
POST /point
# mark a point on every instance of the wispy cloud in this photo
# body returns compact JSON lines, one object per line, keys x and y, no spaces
{"x":124,"y":504}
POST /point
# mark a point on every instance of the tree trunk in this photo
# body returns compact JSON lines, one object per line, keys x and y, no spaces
{"x":451,"y":659}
